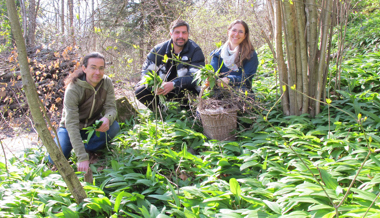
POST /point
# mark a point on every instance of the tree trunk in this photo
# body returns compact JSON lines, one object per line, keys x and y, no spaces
{"x":93,"y":23}
{"x":71,"y":18}
{"x":326,"y":23}
{"x":300,"y":17}
{"x":79,"y":23}
{"x":34,"y":103}
{"x":63,"y":17}
{"x":163,"y":14}
{"x":24,"y":18}
{"x":281,"y":67}
{"x":291,"y":54}
{"x":32,"y":16}
{"x":56,"y":15}
{"x":271,"y":18}
{"x":343,"y":29}
{"x":264,"y":34}
{"x":142,"y":30}
{"x":312,"y":41}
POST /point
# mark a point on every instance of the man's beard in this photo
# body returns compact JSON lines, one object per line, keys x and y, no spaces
{"x":184,"y":42}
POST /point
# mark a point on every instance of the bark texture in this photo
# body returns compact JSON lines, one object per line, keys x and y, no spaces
{"x":63,"y":17}
{"x":291,"y":54}
{"x":32,"y":23}
{"x":71,"y":18}
{"x":281,"y":66}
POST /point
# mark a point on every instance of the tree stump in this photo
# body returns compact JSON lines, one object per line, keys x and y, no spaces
{"x":125,"y":110}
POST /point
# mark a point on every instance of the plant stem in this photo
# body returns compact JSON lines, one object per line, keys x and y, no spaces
{"x":371,"y":204}
{"x":352,"y":183}
{"x":166,"y":178}
{"x":5,"y":156}
{"x":176,"y":173}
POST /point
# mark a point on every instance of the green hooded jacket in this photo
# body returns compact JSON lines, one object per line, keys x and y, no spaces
{"x":83,"y":104}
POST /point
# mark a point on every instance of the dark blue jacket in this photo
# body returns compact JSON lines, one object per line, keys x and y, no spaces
{"x":191,"y":54}
{"x":241,"y":78}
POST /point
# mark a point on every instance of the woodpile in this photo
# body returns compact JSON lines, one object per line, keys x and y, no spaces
{"x":48,"y":68}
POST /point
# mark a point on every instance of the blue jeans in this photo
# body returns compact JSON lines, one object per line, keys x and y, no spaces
{"x":95,"y":143}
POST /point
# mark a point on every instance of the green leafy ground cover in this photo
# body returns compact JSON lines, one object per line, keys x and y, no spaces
{"x":363,"y":33}
{"x":293,"y":166}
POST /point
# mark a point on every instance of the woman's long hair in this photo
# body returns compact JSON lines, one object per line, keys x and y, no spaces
{"x":245,"y":48}
{"x":72,"y":78}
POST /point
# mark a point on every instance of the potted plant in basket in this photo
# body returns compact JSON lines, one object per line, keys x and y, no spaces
{"x":217,"y":110}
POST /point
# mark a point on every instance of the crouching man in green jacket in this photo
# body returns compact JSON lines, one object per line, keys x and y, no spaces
{"x":89,"y":96}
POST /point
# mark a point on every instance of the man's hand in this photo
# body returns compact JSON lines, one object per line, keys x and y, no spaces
{"x":84,"y":165}
{"x":166,"y":87}
{"x":105,"y":125}
{"x":223,"y":80}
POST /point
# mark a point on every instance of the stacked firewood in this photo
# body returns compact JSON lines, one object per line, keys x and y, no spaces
{"x":48,"y":68}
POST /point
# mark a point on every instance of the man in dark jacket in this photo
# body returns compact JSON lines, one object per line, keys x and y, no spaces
{"x":177,"y":75}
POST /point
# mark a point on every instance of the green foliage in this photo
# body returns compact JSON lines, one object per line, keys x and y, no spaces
{"x":5,"y":28}
{"x":152,"y":80}
{"x":207,"y":75}
{"x":264,"y":83}
{"x":150,"y":172}
{"x":92,"y":129}
{"x":363,"y":33}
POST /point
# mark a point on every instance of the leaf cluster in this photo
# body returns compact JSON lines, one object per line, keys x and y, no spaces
{"x":91,"y":129}
{"x":152,"y":80}
{"x":207,"y":75}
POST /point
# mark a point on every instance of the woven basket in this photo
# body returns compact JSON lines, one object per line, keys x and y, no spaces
{"x":218,"y":124}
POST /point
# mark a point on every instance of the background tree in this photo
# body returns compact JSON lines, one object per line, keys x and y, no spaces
{"x":32,"y":22}
{"x":71,"y":18}
{"x":63,"y":17}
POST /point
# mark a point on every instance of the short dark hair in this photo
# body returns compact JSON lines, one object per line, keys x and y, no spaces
{"x":178,"y":23}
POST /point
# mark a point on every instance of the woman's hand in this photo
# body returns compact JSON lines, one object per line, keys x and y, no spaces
{"x":223,"y":80}
{"x":84,"y":165}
